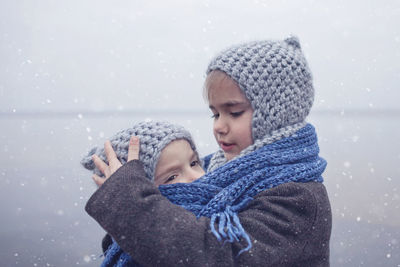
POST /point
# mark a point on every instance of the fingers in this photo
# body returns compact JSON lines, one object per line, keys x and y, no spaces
{"x":98,"y":180}
{"x":133,"y":152}
{"x":113,"y":163}
{"x":100,"y":164}
{"x":109,"y":151}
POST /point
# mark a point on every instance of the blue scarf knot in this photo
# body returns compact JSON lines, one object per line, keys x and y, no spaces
{"x":222,"y":193}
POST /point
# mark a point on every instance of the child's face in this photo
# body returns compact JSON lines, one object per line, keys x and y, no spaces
{"x":232,"y":115}
{"x":178,"y":163}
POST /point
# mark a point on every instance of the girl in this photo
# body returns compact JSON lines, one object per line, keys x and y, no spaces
{"x":262,"y":201}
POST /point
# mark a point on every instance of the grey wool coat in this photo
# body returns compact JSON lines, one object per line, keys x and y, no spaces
{"x":289,"y":225}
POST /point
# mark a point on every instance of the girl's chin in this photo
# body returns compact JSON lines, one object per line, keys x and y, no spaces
{"x":229,"y":156}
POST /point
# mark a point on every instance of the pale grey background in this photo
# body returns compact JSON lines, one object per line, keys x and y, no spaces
{"x":74,"y":72}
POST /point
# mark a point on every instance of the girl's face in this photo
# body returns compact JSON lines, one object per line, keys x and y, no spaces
{"x":178,"y":163}
{"x":232,"y":113}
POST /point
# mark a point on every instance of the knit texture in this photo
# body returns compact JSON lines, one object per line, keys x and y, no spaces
{"x":153,"y":136}
{"x":275,"y":78}
{"x":224,"y":192}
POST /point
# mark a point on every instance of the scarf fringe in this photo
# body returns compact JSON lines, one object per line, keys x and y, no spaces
{"x":230,"y":228}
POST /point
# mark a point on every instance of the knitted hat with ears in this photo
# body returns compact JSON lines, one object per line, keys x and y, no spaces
{"x":275,"y":78}
{"x":154,"y":136}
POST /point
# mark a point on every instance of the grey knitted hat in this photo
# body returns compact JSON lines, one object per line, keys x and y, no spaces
{"x":275,"y":77}
{"x":153,"y":136}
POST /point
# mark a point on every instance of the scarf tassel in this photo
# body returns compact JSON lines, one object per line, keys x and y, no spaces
{"x":229,"y":227}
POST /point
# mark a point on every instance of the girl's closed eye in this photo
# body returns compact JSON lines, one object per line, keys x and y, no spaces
{"x":237,"y":114}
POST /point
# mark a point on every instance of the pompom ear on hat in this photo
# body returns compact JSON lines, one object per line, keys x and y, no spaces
{"x":154,"y":136}
{"x":275,"y":77}
{"x":293,"y":41}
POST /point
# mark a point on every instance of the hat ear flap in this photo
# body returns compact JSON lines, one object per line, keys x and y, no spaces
{"x":293,"y":41}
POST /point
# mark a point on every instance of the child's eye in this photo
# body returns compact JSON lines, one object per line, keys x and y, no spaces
{"x":215,"y":116}
{"x":194,"y":163}
{"x":237,"y":114}
{"x":171,"y":178}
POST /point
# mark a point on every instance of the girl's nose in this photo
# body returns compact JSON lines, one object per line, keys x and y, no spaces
{"x":220,"y":126}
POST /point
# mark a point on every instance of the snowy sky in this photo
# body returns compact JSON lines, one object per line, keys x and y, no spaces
{"x":124,"y":55}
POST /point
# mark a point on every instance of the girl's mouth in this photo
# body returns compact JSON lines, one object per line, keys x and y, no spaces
{"x":226,"y":147}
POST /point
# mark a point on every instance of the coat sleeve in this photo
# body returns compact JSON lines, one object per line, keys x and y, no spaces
{"x":156,"y":232}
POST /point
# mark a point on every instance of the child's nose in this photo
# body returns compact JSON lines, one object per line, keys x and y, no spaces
{"x":193,"y":174}
{"x":220,"y":126}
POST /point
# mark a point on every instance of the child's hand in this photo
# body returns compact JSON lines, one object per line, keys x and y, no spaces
{"x":114,"y":163}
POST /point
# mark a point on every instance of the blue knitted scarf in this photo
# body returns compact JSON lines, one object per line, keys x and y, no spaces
{"x":224,"y":192}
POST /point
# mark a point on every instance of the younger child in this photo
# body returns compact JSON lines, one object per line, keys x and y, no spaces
{"x":166,"y":150}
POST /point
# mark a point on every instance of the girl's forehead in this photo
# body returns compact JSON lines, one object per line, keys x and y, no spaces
{"x":227,"y":94}
{"x":216,"y":78}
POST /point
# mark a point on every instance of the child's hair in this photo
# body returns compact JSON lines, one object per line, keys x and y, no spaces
{"x":275,"y":78}
{"x":154,"y":136}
